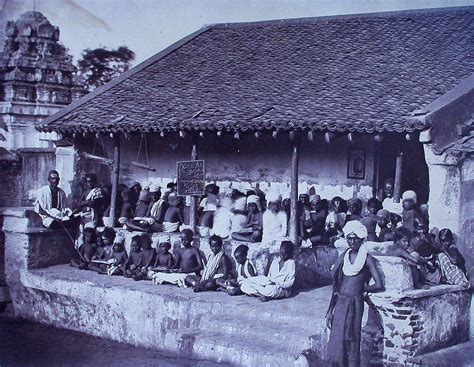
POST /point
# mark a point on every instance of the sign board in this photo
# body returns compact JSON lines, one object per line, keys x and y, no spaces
{"x":190,"y":177}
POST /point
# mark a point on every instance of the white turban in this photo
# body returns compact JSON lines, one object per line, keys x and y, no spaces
{"x":154,"y":187}
{"x":395,"y":208}
{"x":356,"y":227}
{"x":409,"y":195}
{"x":273,"y":197}
{"x":255,"y":200}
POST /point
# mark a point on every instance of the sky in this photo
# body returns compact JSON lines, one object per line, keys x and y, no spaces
{"x":148,"y":26}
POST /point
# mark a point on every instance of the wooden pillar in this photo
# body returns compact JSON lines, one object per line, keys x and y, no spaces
{"x":375,"y":182}
{"x":397,"y":190}
{"x":115,"y":179}
{"x":194,"y":199}
{"x":294,"y":190}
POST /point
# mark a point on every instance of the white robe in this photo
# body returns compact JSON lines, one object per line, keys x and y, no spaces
{"x":44,"y":202}
{"x":274,"y":226}
{"x":283,"y":281}
{"x":222,"y":225}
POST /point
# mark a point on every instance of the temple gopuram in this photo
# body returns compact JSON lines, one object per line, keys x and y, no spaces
{"x":37,"y":79}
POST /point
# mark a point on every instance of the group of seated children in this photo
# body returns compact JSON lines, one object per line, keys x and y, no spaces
{"x":105,"y":253}
{"x":433,"y":258}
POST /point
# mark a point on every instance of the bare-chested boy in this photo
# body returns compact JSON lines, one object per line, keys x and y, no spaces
{"x":174,"y":214}
{"x":119,"y":257}
{"x":187,"y":262}
{"x":134,"y":261}
{"x":164,"y":260}
{"x":253,"y":228}
{"x":87,"y":249}
{"x":104,"y":251}
{"x":351,"y":275}
{"x":217,"y":268}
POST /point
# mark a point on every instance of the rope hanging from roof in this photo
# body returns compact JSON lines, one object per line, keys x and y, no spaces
{"x":146,"y":166}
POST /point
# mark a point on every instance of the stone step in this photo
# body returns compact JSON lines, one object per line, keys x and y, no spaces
{"x":231,"y":349}
{"x":297,"y":335}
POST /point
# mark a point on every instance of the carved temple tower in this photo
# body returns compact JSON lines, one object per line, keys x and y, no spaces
{"x":37,"y":78}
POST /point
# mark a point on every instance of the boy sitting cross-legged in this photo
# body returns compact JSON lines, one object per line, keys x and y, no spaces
{"x":164,"y":260}
{"x":187,"y":262}
{"x":87,"y":249}
{"x":217,"y":268}
{"x":104,"y":251}
{"x":280,"y":278}
{"x":245,"y":270}
{"x":134,"y":261}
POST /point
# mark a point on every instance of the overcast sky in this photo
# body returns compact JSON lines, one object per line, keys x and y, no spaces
{"x":148,"y":26}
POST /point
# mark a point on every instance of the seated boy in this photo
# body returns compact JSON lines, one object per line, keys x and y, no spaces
{"x":422,"y":244}
{"x":409,"y":213}
{"x":174,"y":214}
{"x":245,"y":270}
{"x":280,"y":278}
{"x":252,"y":230}
{"x":383,"y":218}
{"x":188,"y":262}
{"x":451,"y":261}
{"x":164,"y":260}
{"x":87,"y":250}
{"x":134,"y":261}
{"x":217,"y":268}
{"x":403,"y":249}
{"x":351,"y":273}
{"x":118,"y":258}
{"x":104,"y":251}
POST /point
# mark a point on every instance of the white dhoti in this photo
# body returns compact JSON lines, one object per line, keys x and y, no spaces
{"x":263,"y":286}
{"x":171,"y":278}
{"x":170,"y":227}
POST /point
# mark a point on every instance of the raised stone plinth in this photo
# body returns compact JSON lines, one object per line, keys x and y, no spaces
{"x":238,"y":331}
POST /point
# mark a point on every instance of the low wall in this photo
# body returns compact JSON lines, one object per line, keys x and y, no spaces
{"x":407,"y":322}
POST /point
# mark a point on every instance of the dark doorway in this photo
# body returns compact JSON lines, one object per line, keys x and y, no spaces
{"x":414,"y":172}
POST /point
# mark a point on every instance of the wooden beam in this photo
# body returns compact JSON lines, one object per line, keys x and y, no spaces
{"x":397,"y":191}
{"x":293,"y":234}
{"x":115,"y":179}
{"x":194,"y":199}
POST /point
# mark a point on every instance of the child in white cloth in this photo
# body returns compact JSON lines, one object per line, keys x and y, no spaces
{"x":280,"y":278}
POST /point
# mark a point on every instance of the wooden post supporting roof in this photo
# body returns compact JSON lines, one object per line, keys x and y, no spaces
{"x":115,"y":180}
{"x":397,"y":194}
{"x":193,"y":209}
{"x":293,"y":234}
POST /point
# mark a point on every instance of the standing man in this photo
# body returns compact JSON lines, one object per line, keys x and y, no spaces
{"x":51,"y":203}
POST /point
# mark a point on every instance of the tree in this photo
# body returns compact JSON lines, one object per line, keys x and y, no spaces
{"x":101,"y":65}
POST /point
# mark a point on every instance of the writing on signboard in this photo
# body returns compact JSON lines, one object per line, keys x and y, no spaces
{"x":190,"y":177}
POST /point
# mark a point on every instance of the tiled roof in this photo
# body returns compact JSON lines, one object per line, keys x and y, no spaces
{"x":360,"y":73}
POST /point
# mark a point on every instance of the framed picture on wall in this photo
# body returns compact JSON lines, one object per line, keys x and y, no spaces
{"x":356,"y":163}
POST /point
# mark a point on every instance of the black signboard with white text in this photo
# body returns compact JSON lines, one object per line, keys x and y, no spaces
{"x":190,"y":177}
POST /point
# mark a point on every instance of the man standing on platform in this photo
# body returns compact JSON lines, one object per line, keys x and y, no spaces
{"x":51,"y":203}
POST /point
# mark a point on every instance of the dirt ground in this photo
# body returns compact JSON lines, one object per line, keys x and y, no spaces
{"x":23,"y":343}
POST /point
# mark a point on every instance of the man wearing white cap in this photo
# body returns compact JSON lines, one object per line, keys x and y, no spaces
{"x":351,"y":274}
{"x":275,"y":222}
{"x":410,"y":213}
{"x":252,"y":230}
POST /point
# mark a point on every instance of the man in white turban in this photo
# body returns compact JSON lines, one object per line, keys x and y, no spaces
{"x":275,"y":221}
{"x":352,"y":227}
{"x":351,"y":274}
{"x":252,"y":230}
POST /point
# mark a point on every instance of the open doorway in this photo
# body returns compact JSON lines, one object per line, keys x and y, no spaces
{"x":414,"y":169}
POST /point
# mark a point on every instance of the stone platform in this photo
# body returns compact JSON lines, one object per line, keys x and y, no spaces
{"x":239,"y":331}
